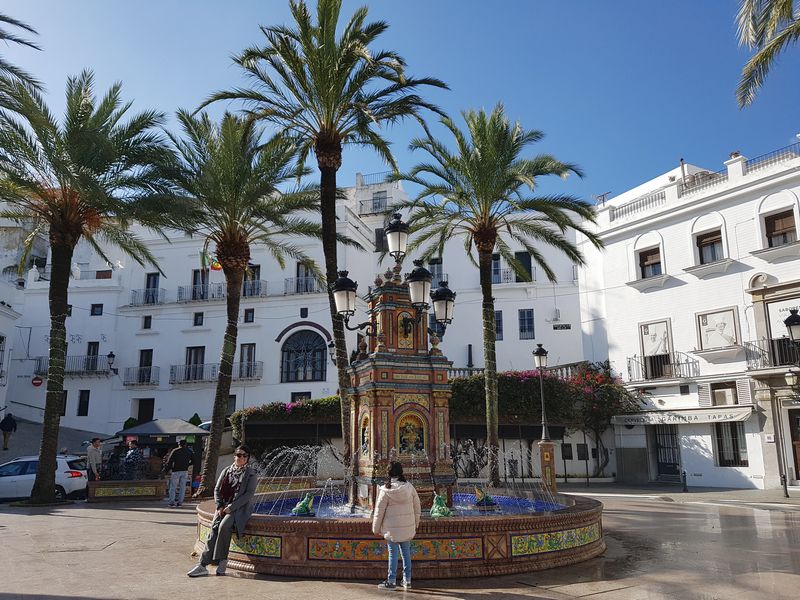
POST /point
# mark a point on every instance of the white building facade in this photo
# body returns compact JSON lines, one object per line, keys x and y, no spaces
{"x":688,"y":300}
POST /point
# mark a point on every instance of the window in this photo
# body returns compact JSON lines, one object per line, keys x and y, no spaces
{"x":434,"y":326}
{"x":83,"y":403}
{"x":195,"y":359}
{"x":724,"y":393}
{"x":780,"y":229}
{"x":380,"y":240}
{"x":231,"y":408}
{"x":198,"y":319}
{"x":566,"y":451}
{"x":709,"y":247}
{"x":731,"y":444}
{"x":496,"y":271}
{"x":435,"y":267}
{"x":145,"y":366}
{"x":247,"y":361}
{"x":12,"y":469}
{"x":498,"y":325}
{"x":300,"y":396}
{"x":524,"y":258}
{"x":305,"y":282}
{"x":147,"y":322}
{"x":69,"y":310}
{"x":151,"y":283}
{"x":303,"y":313}
{"x":92,"y":356}
{"x":526,"y":330}
{"x":304,"y":357}
{"x":252,"y":285}
{"x":96,"y":310}
{"x":583,"y":451}
{"x":379,"y":201}
{"x":200,"y":284}
{"x":650,"y":263}
{"x":684,"y":390}
{"x":249,"y":315}
{"x":63,"y":403}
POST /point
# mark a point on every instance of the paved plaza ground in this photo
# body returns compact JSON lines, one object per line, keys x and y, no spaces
{"x":705,"y":547}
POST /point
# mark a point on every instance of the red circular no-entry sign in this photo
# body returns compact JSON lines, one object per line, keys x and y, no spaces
{"x":37,"y":381}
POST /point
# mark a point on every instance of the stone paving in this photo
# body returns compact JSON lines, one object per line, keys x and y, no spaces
{"x":656,"y":549}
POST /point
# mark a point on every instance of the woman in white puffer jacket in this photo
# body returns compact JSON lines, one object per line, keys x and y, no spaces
{"x":396,"y":518}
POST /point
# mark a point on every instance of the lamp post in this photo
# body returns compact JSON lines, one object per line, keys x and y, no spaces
{"x":546,"y":446}
{"x":111,"y":358}
{"x":397,"y":237}
{"x":792,"y":323}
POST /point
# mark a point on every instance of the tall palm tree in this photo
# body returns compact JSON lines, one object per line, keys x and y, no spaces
{"x":768,"y":27}
{"x":231,"y":178}
{"x":9,"y":70}
{"x":88,"y":177}
{"x":484,"y":191}
{"x":328,"y":88}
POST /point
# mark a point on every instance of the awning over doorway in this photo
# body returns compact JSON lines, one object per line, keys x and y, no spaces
{"x":716,"y":414}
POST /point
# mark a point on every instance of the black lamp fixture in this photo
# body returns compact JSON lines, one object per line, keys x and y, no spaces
{"x":540,"y":360}
{"x":344,"y":296}
{"x":397,"y":237}
{"x":792,"y":323}
{"x":111,"y":357}
{"x":419,"y":289}
{"x":332,"y":351}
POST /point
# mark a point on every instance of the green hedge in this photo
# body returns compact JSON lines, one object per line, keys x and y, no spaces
{"x":320,"y":410}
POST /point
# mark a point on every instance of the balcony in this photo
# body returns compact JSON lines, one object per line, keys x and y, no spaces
{"x":254,"y":288}
{"x":202,"y":293}
{"x":672,"y":365}
{"x":76,"y":366}
{"x":148,"y":296}
{"x":209,"y":372}
{"x":509,"y":276}
{"x":302,"y":285}
{"x":141,"y":376}
{"x":437,"y":276}
{"x":771,"y":353}
{"x":374,"y":205}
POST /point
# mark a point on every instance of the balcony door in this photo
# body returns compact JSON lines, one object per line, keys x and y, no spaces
{"x":247,"y":360}
{"x":145,"y":365}
{"x":305,"y":279}
{"x":195,"y":359}
{"x":92,"y":354}
{"x":151,"y":285}
{"x":200,"y":284}
{"x":252,"y":283}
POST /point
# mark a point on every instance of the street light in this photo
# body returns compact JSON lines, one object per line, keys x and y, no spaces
{"x":332,"y":351}
{"x":540,"y":360}
{"x":396,"y":237}
{"x":792,"y":323}
{"x":419,"y":286}
{"x":111,"y":357}
{"x":344,"y":297}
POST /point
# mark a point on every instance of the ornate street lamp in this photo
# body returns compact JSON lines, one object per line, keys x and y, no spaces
{"x":111,"y":358}
{"x":540,"y":360}
{"x":444,"y":300}
{"x":344,"y":297}
{"x":792,"y":323}
{"x":332,"y":351}
{"x":419,"y":286}
{"x":397,"y":237}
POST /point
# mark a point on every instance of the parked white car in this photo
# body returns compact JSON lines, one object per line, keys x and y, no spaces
{"x":17,"y":476}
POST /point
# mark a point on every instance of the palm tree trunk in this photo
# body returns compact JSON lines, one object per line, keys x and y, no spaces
{"x":44,"y":486}
{"x":233,"y":279}
{"x":489,"y":366}
{"x":328,"y":210}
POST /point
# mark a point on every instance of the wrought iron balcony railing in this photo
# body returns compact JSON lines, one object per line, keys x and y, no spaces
{"x":207,"y":372}
{"x":141,"y":376}
{"x":76,"y":366}
{"x":148,"y":296}
{"x":768,"y":353}
{"x":200,"y":293}
{"x":670,"y":365}
{"x":254,"y":288}
{"x":302,"y":285}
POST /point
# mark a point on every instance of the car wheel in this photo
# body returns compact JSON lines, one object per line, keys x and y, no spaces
{"x":60,"y":493}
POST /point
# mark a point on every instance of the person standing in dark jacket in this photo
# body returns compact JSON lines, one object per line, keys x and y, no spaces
{"x":179,"y":461}
{"x":7,"y":425}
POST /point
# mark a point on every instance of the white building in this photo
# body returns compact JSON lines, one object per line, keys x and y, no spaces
{"x":688,"y":301}
{"x":165,"y":330}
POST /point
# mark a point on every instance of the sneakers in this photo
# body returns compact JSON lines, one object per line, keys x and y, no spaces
{"x":179,"y":504}
{"x":222,"y":567}
{"x":406,"y":585}
{"x":198,"y":571}
{"x":171,"y":505}
{"x":387,"y":585}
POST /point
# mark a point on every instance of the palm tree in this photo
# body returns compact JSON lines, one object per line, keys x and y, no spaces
{"x":483,"y":192}
{"x":768,"y":27}
{"x":328,"y":92}
{"x":232,"y":180}
{"x":89,"y":178}
{"x":7,"y":69}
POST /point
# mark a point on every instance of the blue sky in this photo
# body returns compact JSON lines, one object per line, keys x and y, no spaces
{"x":624,"y":89}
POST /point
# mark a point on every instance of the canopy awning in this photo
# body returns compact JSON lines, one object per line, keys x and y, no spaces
{"x":164,"y":428}
{"x":686,"y":416}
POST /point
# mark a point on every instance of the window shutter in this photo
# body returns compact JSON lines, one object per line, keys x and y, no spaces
{"x":704,"y":394}
{"x":744,"y":393}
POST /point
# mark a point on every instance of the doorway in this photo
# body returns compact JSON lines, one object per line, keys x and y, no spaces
{"x":667,"y":452}
{"x":144,"y":412}
{"x":794,"y":428}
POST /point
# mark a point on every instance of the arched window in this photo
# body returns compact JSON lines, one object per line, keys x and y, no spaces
{"x":304,"y":357}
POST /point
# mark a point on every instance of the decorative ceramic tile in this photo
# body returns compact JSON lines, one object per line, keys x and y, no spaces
{"x":440,"y":425}
{"x":376,"y":550}
{"x":421,"y":399}
{"x":129,"y":490}
{"x":254,"y":545}
{"x":384,"y":433}
{"x":410,"y":377}
{"x":553,"y":541}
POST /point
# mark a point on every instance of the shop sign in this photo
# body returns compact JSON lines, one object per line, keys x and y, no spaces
{"x":687,"y":416}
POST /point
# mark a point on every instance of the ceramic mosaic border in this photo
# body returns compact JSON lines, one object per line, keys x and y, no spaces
{"x":133,"y":490}
{"x":263,"y":546}
{"x":553,"y":541}
{"x":329,"y":549}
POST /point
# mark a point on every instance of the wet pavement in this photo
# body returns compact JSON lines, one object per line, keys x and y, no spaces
{"x":697,"y":550}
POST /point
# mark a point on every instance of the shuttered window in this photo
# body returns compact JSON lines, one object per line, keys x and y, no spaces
{"x":709,"y":247}
{"x":780,"y":229}
{"x":650,"y":263}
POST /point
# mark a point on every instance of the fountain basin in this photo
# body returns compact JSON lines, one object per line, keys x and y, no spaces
{"x":460,"y":546}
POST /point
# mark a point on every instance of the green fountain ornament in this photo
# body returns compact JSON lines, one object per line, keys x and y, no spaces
{"x":483,"y":500}
{"x":303,"y":508}
{"x":439,"y":507}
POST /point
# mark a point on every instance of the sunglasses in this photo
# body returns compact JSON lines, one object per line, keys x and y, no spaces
{"x":241,"y":455}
